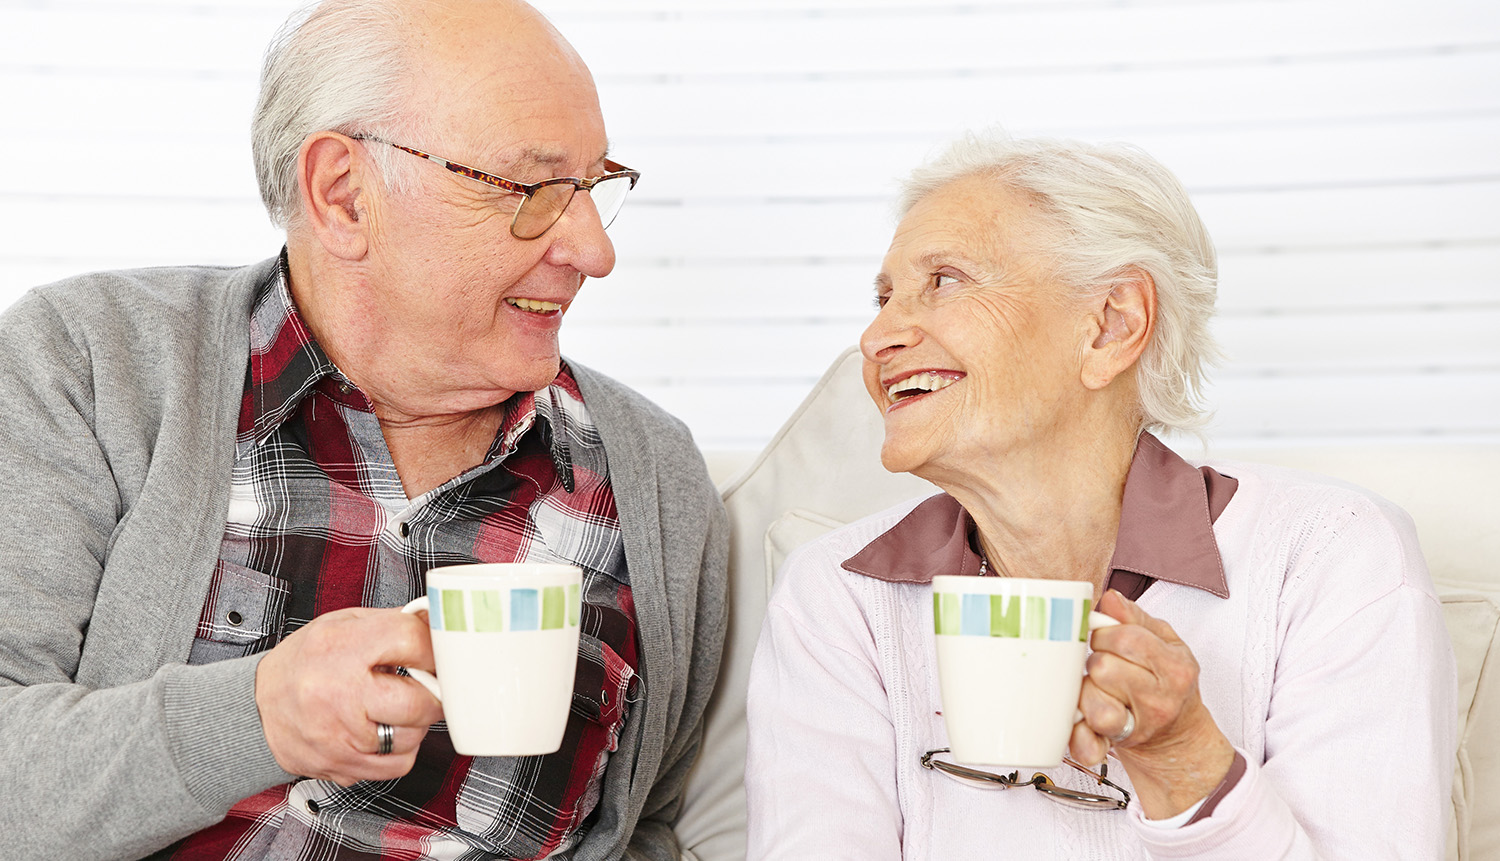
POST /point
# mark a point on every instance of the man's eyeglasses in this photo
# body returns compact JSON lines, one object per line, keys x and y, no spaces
{"x":544,"y":201}
{"x":1042,"y":782}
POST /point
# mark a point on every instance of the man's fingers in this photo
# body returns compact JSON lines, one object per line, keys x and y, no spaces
{"x":401,"y":640}
{"x":323,"y":690}
{"x":401,"y":701}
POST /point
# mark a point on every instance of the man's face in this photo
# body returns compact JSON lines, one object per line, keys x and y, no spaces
{"x":476,"y":312}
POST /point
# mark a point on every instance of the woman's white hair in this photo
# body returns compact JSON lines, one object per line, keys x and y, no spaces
{"x":339,"y":65}
{"x":1111,"y":211}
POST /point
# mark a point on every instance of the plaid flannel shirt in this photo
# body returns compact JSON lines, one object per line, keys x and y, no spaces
{"x":318,"y":521}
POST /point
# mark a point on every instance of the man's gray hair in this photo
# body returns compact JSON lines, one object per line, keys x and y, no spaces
{"x":339,"y":65}
{"x":1109,"y":210}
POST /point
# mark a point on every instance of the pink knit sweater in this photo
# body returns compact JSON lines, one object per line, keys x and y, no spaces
{"x":1328,"y":667}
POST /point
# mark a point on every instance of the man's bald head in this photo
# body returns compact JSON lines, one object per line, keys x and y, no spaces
{"x":411,"y":70}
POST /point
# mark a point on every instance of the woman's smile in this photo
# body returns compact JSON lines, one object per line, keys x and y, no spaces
{"x":914,"y":386}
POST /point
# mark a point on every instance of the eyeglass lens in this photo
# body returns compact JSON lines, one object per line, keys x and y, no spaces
{"x":545,"y":205}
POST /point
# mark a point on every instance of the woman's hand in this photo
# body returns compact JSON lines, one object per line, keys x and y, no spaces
{"x":1175,"y":755}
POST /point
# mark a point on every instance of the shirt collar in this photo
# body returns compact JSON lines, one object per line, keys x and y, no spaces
{"x":287,"y":364}
{"x":1166,"y":529}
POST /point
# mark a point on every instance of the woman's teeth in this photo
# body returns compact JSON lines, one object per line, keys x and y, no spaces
{"x":917,"y":384}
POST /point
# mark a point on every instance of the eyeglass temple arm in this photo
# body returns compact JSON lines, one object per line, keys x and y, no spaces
{"x":1101,"y":776}
{"x":1007,"y":781}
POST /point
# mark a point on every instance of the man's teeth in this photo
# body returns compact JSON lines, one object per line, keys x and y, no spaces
{"x":917,"y":383}
{"x":535,"y":305}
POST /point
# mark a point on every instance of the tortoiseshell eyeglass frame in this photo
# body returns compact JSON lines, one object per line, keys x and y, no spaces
{"x":614,"y":170}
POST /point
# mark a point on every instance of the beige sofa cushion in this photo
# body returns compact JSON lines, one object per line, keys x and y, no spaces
{"x":822,"y":470}
{"x":1474,"y":624}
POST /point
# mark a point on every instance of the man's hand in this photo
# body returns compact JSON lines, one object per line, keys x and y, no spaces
{"x":1176,"y":755}
{"x":322,"y":691}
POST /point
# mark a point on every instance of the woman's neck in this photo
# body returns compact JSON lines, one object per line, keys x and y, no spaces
{"x":1047,"y":514}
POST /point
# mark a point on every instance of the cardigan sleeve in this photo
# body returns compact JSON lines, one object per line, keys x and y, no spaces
{"x":702,"y":614}
{"x":93,"y":771}
{"x":1361,"y":726}
{"x":677,"y":546}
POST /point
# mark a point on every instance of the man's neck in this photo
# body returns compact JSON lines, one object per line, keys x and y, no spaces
{"x":430,"y":439}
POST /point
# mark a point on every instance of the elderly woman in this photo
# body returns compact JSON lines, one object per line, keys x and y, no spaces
{"x":1281,"y":685}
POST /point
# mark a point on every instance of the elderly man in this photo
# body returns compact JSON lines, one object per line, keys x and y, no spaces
{"x":218,"y":475}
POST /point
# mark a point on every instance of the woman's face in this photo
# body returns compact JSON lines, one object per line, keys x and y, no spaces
{"x":975,"y":353}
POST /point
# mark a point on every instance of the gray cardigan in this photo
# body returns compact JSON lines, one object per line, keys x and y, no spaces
{"x":121,"y":394}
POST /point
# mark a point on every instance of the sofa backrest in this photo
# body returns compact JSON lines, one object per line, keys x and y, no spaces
{"x":823,"y":470}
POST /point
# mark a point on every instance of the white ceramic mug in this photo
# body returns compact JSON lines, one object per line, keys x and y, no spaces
{"x":1010,"y":655}
{"x":505,"y":640}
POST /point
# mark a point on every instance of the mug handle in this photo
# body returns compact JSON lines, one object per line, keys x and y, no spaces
{"x":426,"y":679}
{"x":1097,"y":620}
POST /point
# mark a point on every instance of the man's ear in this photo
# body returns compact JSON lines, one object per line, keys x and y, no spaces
{"x":332,"y":177}
{"x":1122,"y":328}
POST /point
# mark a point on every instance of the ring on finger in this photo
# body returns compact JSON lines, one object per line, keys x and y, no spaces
{"x":387,"y":736}
{"x":1129,"y":728}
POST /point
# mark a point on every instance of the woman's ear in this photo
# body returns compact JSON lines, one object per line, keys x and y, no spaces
{"x":1123,"y":324}
{"x":331,"y":178}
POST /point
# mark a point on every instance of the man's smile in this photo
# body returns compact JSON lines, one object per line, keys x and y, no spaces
{"x":535,"y":306}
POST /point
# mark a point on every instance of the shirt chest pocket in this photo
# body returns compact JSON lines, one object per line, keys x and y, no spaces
{"x":242,"y":614}
{"x":603,"y":690}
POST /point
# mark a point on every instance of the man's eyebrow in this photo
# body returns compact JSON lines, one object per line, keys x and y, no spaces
{"x":537,"y":157}
{"x":551,"y":158}
{"x":882,"y":282}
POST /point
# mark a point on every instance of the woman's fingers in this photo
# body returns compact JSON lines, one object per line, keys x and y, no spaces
{"x":1140,"y":666}
{"x":1105,"y":717}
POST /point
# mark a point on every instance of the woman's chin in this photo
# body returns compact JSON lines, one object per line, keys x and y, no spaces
{"x":896,"y":457}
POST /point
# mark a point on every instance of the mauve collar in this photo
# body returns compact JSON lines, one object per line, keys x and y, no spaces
{"x":1166,"y":529}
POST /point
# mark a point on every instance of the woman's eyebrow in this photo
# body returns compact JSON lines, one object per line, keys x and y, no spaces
{"x":935,"y":259}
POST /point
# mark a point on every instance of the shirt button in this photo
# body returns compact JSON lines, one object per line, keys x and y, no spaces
{"x":312,"y":806}
{"x":604,"y":697}
{"x":235,"y":618}
{"x":405,"y":529}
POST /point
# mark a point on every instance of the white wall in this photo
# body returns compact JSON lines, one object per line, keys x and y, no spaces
{"x":1345,"y":154}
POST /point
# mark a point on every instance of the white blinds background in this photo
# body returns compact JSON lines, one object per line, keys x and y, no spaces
{"x":1344,"y":153}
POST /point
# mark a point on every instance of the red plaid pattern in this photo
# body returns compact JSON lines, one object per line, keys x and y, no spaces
{"x":318,"y":521}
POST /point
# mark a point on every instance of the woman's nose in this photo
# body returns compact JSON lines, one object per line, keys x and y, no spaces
{"x":890,"y":331}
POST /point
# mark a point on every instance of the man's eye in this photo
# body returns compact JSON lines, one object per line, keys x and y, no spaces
{"x":881,"y":300}
{"x":944,"y":280}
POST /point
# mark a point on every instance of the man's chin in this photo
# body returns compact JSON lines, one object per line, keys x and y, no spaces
{"x":537,"y":375}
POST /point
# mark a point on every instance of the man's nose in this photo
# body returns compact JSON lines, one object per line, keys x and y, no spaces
{"x":578,"y":239}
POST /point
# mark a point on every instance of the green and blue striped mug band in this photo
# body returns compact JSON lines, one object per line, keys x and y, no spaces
{"x":1026,"y":617}
{"x":542,"y":608}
